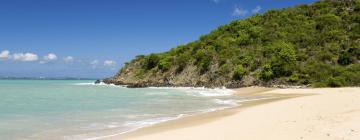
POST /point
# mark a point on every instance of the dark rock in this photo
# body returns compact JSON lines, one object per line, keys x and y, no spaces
{"x":137,"y":85}
{"x":97,"y":81}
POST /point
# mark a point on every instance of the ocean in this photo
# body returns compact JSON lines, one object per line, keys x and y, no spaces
{"x":81,"y":110}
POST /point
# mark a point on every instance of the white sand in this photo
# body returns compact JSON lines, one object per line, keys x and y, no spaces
{"x":331,"y":114}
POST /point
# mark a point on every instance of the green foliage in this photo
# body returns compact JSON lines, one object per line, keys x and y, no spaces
{"x":335,"y":82}
{"x":239,"y":72}
{"x":266,"y":72}
{"x":203,"y":59}
{"x":351,"y":75}
{"x":345,"y":59}
{"x":225,"y":69}
{"x":314,"y":44}
{"x":151,"y":61}
{"x":283,"y":58}
{"x":165,"y":64}
{"x":181,"y":61}
{"x":140,"y":73}
{"x":294,"y":78}
{"x":327,"y":21}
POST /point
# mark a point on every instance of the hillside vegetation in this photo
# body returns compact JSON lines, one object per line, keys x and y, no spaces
{"x":316,"y":45}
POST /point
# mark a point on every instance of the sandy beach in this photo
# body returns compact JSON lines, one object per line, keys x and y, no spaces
{"x":309,"y":114}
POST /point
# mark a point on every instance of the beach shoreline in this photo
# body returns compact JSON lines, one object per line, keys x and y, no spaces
{"x":222,"y":124}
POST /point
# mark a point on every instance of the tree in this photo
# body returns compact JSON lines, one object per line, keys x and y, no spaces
{"x":283,"y":58}
{"x":165,"y":63}
{"x":181,"y":61}
{"x":266,"y":72}
{"x":151,"y":61}
{"x":344,"y":59}
{"x":239,"y":72}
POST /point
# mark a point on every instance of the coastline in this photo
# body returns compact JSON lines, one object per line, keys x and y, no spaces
{"x":251,"y":95}
{"x":275,"y":118}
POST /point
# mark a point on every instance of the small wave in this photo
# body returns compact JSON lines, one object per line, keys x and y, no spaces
{"x":84,"y":84}
{"x":178,"y":88}
{"x":140,"y":124}
{"x":99,"y":84}
{"x":210,"y":92}
{"x":215,"y":92}
{"x":101,"y":126}
{"x":226,"y":102}
{"x":149,"y":122}
{"x":192,"y":91}
{"x":214,"y":109}
{"x":201,"y":91}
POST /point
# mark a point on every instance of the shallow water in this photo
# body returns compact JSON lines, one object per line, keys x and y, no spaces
{"x":78,"y":110}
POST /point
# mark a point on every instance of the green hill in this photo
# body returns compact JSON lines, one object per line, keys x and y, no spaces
{"x":316,"y":45}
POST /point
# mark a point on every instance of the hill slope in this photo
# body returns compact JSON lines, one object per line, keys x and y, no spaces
{"x":317,"y":45}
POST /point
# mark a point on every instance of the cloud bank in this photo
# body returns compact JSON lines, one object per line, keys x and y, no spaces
{"x":21,"y":57}
{"x":25,"y":57}
{"x":5,"y":55}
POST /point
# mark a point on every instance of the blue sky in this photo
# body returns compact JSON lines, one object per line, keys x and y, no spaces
{"x":93,"y":38}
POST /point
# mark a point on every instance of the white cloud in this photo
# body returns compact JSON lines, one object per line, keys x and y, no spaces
{"x":27,"y":57}
{"x":256,"y":10}
{"x":5,"y":55}
{"x":50,"y":57}
{"x":239,"y":12}
{"x":109,"y":63}
{"x":69,"y":59}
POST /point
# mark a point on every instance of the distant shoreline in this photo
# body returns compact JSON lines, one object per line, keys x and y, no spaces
{"x":34,"y":78}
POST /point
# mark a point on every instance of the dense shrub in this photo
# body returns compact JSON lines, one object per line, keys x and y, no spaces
{"x":266,"y":72}
{"x":283,"y":58}
{"x":335,"y":82}
{"x":345,"y":59}
{"x":151,"y":61}
{"x":164,"y":64}
{"x":239,"y":72}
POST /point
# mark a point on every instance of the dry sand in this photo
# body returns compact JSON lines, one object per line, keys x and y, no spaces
{"x":326,"y":114}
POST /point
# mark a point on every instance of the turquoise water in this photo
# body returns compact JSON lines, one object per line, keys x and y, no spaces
{"x":79,"y":110}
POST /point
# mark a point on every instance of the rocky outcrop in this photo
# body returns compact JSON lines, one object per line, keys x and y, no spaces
{"x":189,"y":77}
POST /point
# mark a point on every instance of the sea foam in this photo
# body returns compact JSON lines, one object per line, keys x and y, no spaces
{"x":192,"y":91}
{"x":201,"y":91}
{"x":98,"y":84}
{"x":140,"y":124}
